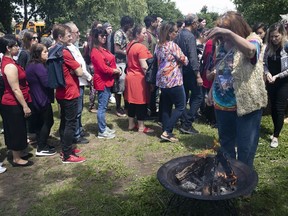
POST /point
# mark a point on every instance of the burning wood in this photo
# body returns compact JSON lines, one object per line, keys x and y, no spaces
{"x":208,"y":175}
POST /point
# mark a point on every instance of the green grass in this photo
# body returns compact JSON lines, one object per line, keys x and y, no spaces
{"x":119,"y":176}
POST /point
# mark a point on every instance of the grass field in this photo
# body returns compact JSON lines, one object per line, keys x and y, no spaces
{"x":119,"y":176}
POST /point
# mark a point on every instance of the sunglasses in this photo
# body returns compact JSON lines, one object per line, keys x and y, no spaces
{"x":35,"y":38}
{"x":103,"y":35}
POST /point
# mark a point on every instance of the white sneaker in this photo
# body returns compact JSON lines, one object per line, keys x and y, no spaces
{"x":274,"y":143}
{"x":271,"y":137}
{"x":106,"y":135}
{"x":112,"y":99}
{"x":109,"y":130}
{"x":2,"y":169}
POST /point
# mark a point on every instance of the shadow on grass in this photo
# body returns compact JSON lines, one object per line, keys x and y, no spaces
{"x":93,"y":192}
{"x":197,"y":142}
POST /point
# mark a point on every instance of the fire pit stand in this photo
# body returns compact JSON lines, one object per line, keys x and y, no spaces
{"x":189,"y":202}
{"x":179,"y":205}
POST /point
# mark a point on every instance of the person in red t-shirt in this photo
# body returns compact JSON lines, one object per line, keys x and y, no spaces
{"x":104,"y":64}
{"x":137,"y":91}
{"x":67,"y":96}
{"x":15,"y":101}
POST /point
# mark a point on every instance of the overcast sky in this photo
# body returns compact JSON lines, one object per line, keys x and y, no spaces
{"x":194,"y":6}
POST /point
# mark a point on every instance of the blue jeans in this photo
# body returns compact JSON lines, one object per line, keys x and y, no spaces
{"x":195,"y":102}
{"x":79,"y":127}
{"x":169,"y":97}
{"x":240,"y":131}
{"x":103,"y":99}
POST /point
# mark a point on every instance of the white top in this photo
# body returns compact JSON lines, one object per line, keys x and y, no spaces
{"x":79,"y":58}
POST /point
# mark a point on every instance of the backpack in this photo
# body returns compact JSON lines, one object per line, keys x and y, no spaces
{"x":112,"y":48}
{"x":150,"y":76}
{"x":55,"y":67}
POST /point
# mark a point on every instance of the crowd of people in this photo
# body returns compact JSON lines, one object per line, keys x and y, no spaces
{"x":220,"y":73}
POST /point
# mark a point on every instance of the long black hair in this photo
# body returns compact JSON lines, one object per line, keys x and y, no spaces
{"x":96,"y":32}
{"x":8,"y":40}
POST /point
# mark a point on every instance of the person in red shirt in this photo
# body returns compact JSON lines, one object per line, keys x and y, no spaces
{"x":67,"y":96}
{"x":137,"y":91}
{"x":15,"y":101}
{"x":104,"y":64}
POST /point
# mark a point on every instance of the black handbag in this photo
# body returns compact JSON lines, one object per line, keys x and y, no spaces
{"x":151,"y":72}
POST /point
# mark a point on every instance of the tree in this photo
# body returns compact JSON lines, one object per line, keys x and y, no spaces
{"x":84,"y":12}
{"x":166,"y":9}
{"x":210,"y":17}
{"x":262,"y":11}
{"x":6,"y":14}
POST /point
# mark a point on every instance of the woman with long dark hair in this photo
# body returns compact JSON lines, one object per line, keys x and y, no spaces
{"x":104,"y":71}
{"x":37,"y":77}
{"x":15,"y":101}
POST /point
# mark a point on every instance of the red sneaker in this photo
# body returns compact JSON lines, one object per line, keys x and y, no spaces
{"x":74,"y":159}
{"x":74,"y":151}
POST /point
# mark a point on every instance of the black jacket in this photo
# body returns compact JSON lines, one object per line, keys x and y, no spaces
{"x":187,"y":42}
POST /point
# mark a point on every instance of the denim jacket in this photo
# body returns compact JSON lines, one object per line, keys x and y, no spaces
{"x":284,"y":63}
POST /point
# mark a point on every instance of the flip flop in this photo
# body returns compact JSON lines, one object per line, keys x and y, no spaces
{"x":146,"y":130}
{"x":169,"y":137}
{"x":136,"y":127}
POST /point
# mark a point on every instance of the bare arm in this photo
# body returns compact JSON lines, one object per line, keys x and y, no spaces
{"x":144,"y":65}
{"x":11,"y":73}
{"x":243,"y":45}
{"x":118,"y":49}
{"x":79,"y":71}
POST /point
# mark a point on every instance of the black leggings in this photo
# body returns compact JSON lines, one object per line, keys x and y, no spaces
{"x":138,"y":110}
{"x":278,"y":95}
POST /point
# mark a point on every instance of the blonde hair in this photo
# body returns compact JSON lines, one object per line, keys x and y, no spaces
{"x":272,"y":48}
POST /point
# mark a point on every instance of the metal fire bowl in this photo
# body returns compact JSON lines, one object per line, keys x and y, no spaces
{"x":247,"y":178}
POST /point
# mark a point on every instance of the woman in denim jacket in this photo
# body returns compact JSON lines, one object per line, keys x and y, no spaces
{"x":276,"y":72}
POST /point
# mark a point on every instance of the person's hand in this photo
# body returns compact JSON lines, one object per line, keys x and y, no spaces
{"x":217,"y":32}
{"x":27,"y":111}
{"x":209,"y":99}
{"x":210,"y":74}
{"x":117,"y":71}
{"x":274,"y":78}
{"x":199,"y":81}
{"x":270,"y":78}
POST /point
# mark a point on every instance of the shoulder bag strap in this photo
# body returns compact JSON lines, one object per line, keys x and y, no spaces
{"x":130,"y":47}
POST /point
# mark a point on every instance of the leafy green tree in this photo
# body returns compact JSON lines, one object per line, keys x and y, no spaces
{"x":262,"y":11}
{"x":210,"y":17}
{"x":6,"y":14}
{"x":166,"y":9}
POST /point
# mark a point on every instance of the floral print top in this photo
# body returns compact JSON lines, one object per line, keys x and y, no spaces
{"x":170,"y":60}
